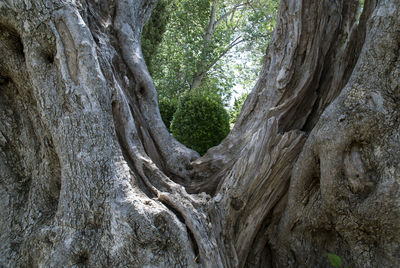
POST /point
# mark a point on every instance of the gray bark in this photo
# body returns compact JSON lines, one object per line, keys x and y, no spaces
{"x":90,"y":177}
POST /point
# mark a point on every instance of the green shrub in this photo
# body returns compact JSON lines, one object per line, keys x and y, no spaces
{"x":200,"y":121}
{"x":167,"y":109}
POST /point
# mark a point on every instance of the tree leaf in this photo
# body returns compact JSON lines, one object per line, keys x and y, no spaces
{"x":335,"y":260}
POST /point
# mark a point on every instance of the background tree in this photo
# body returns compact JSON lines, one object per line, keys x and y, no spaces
{"x":91,"y":177}
{"x":206,"y":45}
{"x":200,"y":39}
{"x":154,"y":30}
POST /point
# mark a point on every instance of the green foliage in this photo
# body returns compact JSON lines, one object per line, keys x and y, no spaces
{"x":154,"y":30}
{"x":184,"y":52}
{"x":167,"y":110}
{"x":179,"y":50}
{"x":234,"y":112}
{"x":336,"y":261}
{"x":200,"y":121}
{"x":179,"y":53}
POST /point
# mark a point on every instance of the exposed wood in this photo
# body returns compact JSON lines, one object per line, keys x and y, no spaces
{"x":90,"y":177}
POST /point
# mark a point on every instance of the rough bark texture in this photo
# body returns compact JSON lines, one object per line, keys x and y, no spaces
{"x":90,"y":177}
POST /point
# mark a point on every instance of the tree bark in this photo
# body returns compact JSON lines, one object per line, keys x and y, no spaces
{"x":90,"y":177}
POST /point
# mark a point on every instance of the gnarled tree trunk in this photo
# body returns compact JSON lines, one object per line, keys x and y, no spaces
{"x":91,"y":177}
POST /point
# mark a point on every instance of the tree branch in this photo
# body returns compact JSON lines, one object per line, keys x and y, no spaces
{"x":223,"y":16}
{"x":230,"y":46}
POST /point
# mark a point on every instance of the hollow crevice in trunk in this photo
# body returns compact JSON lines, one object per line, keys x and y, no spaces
{"x":341,"y":58}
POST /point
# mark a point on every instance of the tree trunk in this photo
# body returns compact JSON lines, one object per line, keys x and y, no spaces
{"x":90,"y":177}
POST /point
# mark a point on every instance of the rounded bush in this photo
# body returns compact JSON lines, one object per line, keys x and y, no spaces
{"x":201,"y":121}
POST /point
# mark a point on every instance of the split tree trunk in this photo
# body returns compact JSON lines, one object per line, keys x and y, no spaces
{"x":91,"y":177}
